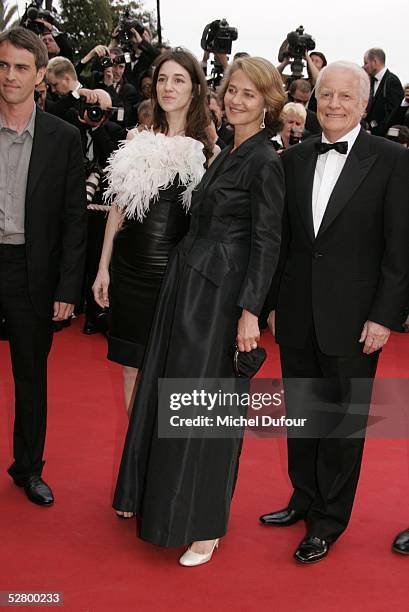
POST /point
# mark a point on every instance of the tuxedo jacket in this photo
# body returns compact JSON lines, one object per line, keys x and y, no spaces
{"x":388,"y":96}
{"x":55,"y":214}
{"x":357,"y":267}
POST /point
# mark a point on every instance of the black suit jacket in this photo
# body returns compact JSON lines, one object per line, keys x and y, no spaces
{"x":388,"y":96}
{"x":357,"y":268}
{"x":55,"y":215}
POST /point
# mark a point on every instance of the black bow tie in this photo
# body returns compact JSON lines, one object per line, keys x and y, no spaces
{"x":324,"y":147}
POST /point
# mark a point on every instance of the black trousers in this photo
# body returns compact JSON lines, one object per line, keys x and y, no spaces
{"x":30,"y":338}
{"x":324,"y":470}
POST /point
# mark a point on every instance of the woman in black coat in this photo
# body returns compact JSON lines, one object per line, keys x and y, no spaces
{"x":215,"y":286}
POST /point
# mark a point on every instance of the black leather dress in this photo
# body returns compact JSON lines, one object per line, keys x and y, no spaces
{"x":139,"y":259}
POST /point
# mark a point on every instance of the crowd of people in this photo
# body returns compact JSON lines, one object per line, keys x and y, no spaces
{"x":180,"y":218}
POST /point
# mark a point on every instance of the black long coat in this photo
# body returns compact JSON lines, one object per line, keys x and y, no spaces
{"x":181,"y":488}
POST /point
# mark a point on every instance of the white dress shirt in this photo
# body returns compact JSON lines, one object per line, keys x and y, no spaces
{"x":329,"y":167}
{"x":378,"y":78}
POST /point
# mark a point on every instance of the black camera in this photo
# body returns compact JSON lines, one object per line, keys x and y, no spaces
{"x":218,"y":37}
{"x":95,"y":113}
{"x":124,"y":34}
{"x":294,"y":47}
{"x":34,"y":12}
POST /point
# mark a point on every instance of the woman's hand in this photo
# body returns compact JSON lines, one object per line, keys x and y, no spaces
{"x":248,"y":332}
{"x":271,"y":322}
{"x":100,"y":288}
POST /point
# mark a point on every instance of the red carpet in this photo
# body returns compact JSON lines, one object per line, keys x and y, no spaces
{"x":80,"y":548}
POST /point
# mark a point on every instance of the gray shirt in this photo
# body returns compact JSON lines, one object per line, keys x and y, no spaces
{"x":15,"y":153}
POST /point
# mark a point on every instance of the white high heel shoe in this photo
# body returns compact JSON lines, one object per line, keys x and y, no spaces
{"x":190,"y":558}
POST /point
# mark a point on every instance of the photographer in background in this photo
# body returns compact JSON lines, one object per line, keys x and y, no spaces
{"x":108,"y":73}
{"x":138,"y":45}
{"x":100,"y":138}
{"x":400,"y":114}
{"x":292,"y":118}
{"x":225,"y":133}
{"x":386,"y":91}
{"x":44,"y":24}
{"x":63,"y":82}
{"x":300,"y":92}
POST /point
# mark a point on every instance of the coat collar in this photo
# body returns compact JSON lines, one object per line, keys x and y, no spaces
{"x":228,"y":158}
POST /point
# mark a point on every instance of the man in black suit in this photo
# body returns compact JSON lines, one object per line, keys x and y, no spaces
{"x":385,"y":92}
{"x":42,"y":242}
{"x":342,"y":285}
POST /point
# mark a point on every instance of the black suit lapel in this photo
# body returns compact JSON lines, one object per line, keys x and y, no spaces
{"x":357,"y":166}
{"x":378,"y":92}
{"x":304,"y":170}
{"x":40,"y":154}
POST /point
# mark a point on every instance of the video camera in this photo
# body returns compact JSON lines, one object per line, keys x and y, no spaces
{"x":124,"y":34}
{"x":34,"y":12}
{"x":218,"y":37}
{"x":294,"y":47}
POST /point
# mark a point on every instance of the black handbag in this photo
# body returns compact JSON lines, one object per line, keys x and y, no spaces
{"x":246,"y":365}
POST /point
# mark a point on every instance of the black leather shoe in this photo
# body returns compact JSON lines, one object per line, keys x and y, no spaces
{"x":281,"y":518}
{"x":311,"y":550}
{"x":37,"y":490}
{"x":401,"y":543}
{"x":90,"y":328}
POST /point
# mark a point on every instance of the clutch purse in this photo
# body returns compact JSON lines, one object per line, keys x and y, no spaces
{"x":246,"y":365}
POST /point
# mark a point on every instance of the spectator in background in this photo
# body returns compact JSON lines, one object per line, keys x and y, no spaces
{"x":292,"y":117}
{"x":144,"y":54}
{"x":57,"y":43}
{"x":145,"y":115}
{"x":40,"y":94}
{"x":400,"y":114}
{"x":316,"y":61}
{"x":225,"y":133}
{"x":112,"y":80}
{"x":300,"y":92}
{"x":386,"y":91}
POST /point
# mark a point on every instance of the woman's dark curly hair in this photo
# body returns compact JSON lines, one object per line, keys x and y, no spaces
{"x":198,"y":118}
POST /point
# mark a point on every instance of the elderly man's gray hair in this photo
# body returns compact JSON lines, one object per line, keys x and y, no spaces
{"x":361,"y":75}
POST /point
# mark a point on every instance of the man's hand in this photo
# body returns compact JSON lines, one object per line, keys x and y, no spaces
{"x":136,"y":38}
{"x":99,"y":50}
{"x":62,"y":311}
{"x":90,"y":96}
{"x":271,"y":322}
{"x":108,"y":77}
{"x":374,"y":336}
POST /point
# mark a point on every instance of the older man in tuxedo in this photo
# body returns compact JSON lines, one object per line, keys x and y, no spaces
{"x":42,"y":242}
{"x":342,"y":285}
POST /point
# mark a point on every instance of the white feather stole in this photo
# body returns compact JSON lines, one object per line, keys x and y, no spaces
{"x":141,"y":167}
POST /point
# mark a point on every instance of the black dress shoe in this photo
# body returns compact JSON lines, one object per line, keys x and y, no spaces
{"x":37,"y":490}
{"x":401,"y":543}
{"x":90,"y":328}
{"x":311,"y":550}
{"x":281,"y":518}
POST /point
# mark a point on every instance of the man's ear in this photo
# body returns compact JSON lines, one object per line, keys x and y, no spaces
{"x":40,"y":75}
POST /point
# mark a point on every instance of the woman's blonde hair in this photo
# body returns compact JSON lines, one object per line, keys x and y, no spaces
{"x":267,"y":81}
{"x":296,"y":109}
